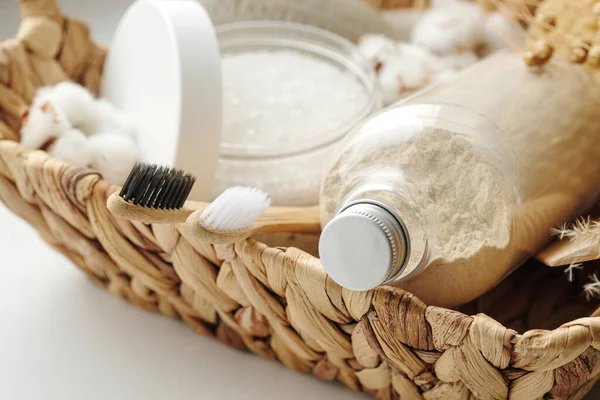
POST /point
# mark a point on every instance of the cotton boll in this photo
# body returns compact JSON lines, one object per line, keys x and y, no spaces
{"x":43,"y":121}
{"x":399,"y":78}
{"x":42,"y":93}
{"x":74,"y":100}
{"x":454,"y":28}
{"x":105,"y":117}
{"x":72,"y":148}
{"x":128,"y":128}
{"x":113,"y":155}
{"x":458,"y":62}
{"x":410,"y":70}
{"x":116,"y":120}
{"x":390,"y":89}
{"x":500,"y":31}
{"x":414,"y":54}
{"x":377,"y":48}
{"x":442,"y":3}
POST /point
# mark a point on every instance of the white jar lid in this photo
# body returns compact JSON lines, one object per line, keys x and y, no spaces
{"x":164,"y":69}
{"x":363,"y":247}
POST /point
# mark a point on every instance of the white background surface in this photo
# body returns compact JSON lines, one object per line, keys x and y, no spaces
{"x":61,"y":338}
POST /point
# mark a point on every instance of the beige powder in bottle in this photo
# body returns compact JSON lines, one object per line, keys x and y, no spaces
{"x":462,"y":192}
{"x":478,"y":170}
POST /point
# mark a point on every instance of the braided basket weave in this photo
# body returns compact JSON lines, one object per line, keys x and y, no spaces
{"x":278,"y":302}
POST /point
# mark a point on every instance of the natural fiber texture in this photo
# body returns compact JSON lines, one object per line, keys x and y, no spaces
{"x":276,"y":302}
{"x":487,"y":5}
{"x":391,"y":4}
{"x":573,"y":32}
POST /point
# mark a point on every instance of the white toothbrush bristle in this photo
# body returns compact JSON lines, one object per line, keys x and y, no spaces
{"x":235,"y":209}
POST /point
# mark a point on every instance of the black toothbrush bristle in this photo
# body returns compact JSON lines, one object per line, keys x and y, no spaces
{"x":153,"y":186}
{"x":185,"y":191}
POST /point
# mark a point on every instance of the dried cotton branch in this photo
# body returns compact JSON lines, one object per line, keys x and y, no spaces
{"x":582,"y":230}
{"x":570,"y":271}
{"x":582,"y":226}
{"x":592,"y":289}
{"x":562,"y":231}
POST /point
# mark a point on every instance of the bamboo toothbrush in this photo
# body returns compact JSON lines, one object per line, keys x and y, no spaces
{"x":240,"y":212}
{"x":154,"y":194}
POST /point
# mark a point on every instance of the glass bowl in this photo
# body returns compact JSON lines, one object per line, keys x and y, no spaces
{"x":290,"y":170}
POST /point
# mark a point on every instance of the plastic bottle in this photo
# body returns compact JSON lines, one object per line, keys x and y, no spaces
{"x":445,"y":193}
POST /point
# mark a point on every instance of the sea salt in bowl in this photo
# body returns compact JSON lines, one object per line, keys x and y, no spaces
{"x":291,"y":92}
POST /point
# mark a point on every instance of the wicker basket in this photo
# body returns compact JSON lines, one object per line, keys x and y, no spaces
{"x":391,"y":4}
{"x":278,"y":302}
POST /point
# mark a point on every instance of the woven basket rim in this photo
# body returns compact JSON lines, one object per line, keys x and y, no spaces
{"x":280,"y":293}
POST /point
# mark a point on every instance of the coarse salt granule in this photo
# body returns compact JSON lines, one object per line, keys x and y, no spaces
{"x":278,"y":102}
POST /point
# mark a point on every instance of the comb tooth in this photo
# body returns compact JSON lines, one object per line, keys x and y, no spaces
{"x":171,"y":179}
{"x":150,"y":187}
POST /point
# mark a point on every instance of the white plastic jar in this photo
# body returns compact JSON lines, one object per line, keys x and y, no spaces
{"x":447,"y":192}
{"x":288,"y":167}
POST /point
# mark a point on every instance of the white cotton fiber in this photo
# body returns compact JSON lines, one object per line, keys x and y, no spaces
{"x":442,"y":3}
{"x":71,"y":147}
{"x":78,"y":129}
{"x":377,"y":48}
{"x":43,"y":93}
{"x":43,"y":121}
{"x":399,"y":77}
{"x":105,"y":117}
{"x":113,"y":155}
{"x":458,"y":62}
{"x":73,"y":99}
{"x":411,"y":69}
{"x":454,"y":28}
{"x":413,"y":53}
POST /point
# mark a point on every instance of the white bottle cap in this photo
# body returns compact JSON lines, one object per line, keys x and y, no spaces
{"x":164,"y":69}
{"x":363,"y":247}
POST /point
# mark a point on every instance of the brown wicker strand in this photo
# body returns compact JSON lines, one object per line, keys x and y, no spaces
{"x":277,"y":302}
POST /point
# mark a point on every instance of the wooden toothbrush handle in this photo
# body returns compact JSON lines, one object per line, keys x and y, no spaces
{"x":289,"y":219}
{"x":275,"y":219}
{"x":124,"y":209}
